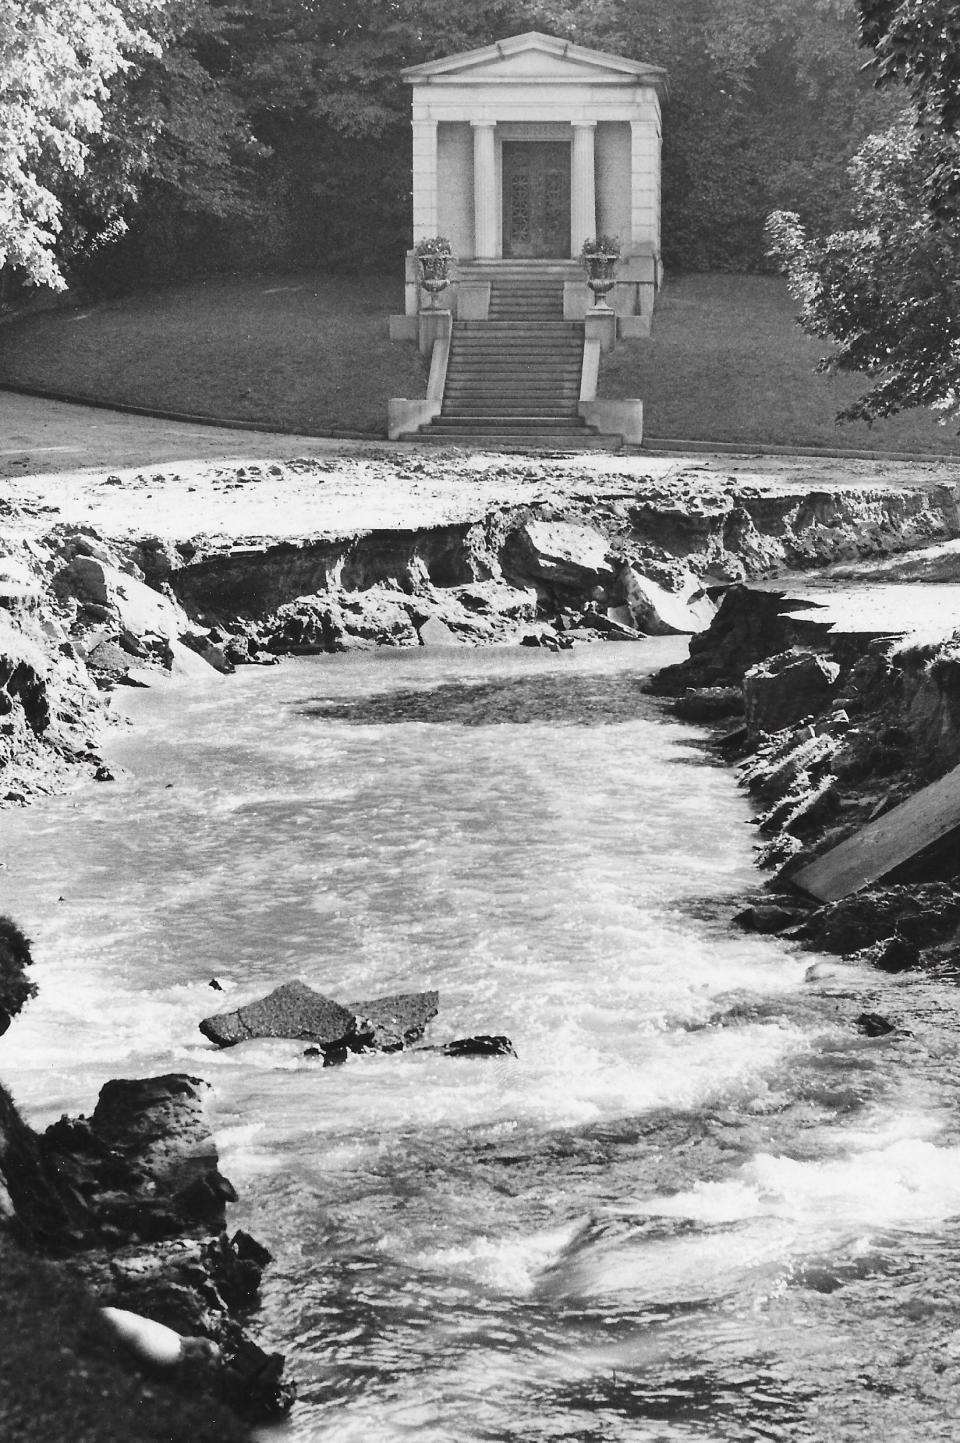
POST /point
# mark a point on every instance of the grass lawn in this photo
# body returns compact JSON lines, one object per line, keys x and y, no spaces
{"x":302,"y":352}
{"x":726,"y":362}
{"x":310,"y":353}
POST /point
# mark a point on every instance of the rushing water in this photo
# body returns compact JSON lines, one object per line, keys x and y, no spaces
{"x":698,"y":1205}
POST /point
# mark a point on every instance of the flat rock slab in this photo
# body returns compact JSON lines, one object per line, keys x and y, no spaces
{"x":870,"y":609}
{"x":885,"y":844}
{"x":297,"y":1012}
{"x":293,"y":1010}
{"x":389,"y":1023}
{"x":570,"y":555}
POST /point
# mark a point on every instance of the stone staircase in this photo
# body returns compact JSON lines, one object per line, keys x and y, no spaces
{"x":514,"y":379}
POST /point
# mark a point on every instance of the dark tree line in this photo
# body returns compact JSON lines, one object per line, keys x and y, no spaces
{"x":277,"y":131}
{"x":885,"y":288}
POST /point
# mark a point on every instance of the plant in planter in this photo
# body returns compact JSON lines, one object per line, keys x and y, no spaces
{"x":434,"y":258}
{"x":599,"y":258}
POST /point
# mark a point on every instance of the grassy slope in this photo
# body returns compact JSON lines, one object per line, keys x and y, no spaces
{"x":302,"y":352}
{"x":310,"y":353}
{"x":726,"y":362}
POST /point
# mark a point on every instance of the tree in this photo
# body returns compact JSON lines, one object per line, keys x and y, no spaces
{"x":176,"y":149}
{"x":56,"y":57}
{"x":886,"y":290}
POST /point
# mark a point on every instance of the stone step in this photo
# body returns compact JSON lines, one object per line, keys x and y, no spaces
{"x":479,"y":356}
{"x":512,"y":424}
{"x":534,"y":394}
{"x":503,"y":406}
{"x":489,"y":370}
{"x":547,"y":443}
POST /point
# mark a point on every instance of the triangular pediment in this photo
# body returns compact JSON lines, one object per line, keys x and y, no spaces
{"x":533,"y":55}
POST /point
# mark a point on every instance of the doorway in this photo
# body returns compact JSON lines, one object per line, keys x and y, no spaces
{"x":536,"y":199}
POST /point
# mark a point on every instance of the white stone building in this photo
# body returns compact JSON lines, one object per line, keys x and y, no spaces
{"x":523,"y":150}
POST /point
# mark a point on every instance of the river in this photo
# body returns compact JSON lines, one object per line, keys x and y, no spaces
{"x":698,"y":1205}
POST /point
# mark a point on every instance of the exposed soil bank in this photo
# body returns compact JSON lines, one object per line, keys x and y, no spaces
{"x":833,"y":728}
{"x":163,"y":580}
{"x":515,"y":550}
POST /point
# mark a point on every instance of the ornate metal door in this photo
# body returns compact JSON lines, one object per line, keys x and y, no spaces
{"x":536,"y":198}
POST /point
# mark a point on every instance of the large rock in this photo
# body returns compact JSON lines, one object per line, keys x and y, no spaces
{"x":137,"y":607}
{"x":779,"y":691}
{"x":434,"y":632}
{"x":391,"y":1023}
{"x":145,"y":1161}
{"x":297,"y":1012}
{"x":560,"y":554}
{"x":293,"y":1010}
{"x":665,"y":613}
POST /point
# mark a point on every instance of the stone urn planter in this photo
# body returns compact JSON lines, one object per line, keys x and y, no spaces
{"x":434,"y":261}
{"x":599,"y":259}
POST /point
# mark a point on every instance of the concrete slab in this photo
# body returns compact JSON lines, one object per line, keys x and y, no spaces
{"x":881,"y":846}
{"x":872,"y":609}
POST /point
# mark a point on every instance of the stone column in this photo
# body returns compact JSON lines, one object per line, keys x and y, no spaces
{"x":484,"y":190}
{"x":425,"y":209}
{"x":583,"y":186}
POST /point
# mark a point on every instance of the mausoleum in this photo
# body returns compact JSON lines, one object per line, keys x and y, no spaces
{"x":522,"y":151}
{"x":525,"y":149}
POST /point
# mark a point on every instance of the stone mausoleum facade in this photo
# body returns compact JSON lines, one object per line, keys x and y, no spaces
{"x":523,"y":150}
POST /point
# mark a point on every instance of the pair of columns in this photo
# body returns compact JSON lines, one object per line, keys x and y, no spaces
{"x":486,"y":210}
{"x":583,"y":188}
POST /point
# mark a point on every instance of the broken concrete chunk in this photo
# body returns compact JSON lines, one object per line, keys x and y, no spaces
{"x":297,"y":1012}
{"x":137,"y":607}
{"x":563,"y":554}
{"x":390,"y":1023}
{"x":434,"y":632}
{"x":664,"y":613}
{"x":293,"y":1010}
{"x":883,"y":845}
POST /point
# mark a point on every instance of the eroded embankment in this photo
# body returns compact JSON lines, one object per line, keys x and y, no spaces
{"x":848,"y":741}
{"x":82,"y":612}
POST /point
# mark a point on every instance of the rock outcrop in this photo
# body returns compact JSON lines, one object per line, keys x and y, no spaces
{"x":843,"y":730}
{"x":132,"y":1201}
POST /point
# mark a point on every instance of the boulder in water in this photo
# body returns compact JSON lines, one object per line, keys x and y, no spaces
{"x":768,"y":917}
{"x":484,"y":1045}
{"x":293,"y":1010}
{"x":391,"y":1023}
{"x":709,"y":703}
{"x":872,"y":1024}
{"x":660,"y":612}
{"x":296,"y":1011}
{"x":435,"y":632}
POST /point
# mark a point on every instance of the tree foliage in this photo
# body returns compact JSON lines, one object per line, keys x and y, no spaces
{"x":886,"y":290}
{"x":56,"y":57}
{"x":279,"y":129}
